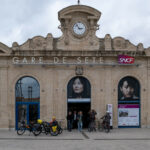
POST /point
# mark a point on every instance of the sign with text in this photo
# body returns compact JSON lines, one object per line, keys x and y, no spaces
{"x":124,"y":59}
{"x":57,"y":60}
{"x":128,"y":115}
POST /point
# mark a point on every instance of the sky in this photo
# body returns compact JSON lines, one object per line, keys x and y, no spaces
{"x":21,"y":20}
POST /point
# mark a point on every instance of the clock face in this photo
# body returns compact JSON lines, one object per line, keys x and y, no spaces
{"x":79,"y":28}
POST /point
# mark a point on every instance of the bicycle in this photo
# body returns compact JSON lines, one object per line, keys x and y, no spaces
{"x":25,"y":127}
{"x":104,"y":126}
{"x":45,"y":127}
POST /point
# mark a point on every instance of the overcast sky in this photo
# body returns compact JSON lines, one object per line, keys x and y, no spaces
{"x":24,"y":19}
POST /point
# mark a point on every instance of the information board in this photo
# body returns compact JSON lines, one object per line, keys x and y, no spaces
{"x":128,"y":115}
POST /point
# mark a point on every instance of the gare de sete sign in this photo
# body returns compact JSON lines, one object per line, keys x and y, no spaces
{"x":122,"y":59}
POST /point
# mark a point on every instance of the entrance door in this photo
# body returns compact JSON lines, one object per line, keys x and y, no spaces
{"x":84,"y":107}
{"x":33,"y":112}
{"x":28,"y":112}
{"x":21,"y":114}
{"x":79,"y":97}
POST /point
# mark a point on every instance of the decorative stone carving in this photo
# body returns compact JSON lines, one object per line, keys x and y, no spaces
{"x":107,"y":42}
{"x":79,"y":70}
{"x":140,"y":47}
{"x":38,"y":43}
{"x":49,"y":42}
{"x":120,"y":43}
{"x":15,"y":46}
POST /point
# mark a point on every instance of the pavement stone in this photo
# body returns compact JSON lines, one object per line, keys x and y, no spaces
{"x":115,"y":134}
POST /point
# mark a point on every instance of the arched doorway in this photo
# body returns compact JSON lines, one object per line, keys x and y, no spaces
{"x":27,"y":94}
{"x":129,"y":102}
{"x":79,"y":97}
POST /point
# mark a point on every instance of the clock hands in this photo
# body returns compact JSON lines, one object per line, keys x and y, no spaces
{"x":80,"y":28}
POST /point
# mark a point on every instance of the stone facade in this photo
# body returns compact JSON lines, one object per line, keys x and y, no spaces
{"x":53,"y":76}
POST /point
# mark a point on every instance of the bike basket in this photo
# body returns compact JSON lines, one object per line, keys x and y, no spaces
{"x":54,"y":128}
{"x":39,"y":121}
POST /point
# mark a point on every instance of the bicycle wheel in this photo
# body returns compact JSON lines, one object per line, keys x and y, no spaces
{"x":107,"y":128}
{"x":37,"y":129}
{"x":54,"y":131}
{"x":60,"y":130}
{"x":21,"y":131}
{"x":37,"y":132}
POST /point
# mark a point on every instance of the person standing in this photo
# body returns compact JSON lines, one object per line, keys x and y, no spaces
{"x":92,"y":117}
{"x":79,"y":118}
{"x":74,"y":119}
{"x":106,"y":121}
{"x":69,"y":121}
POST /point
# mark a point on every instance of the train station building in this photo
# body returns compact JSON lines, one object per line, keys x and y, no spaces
{"x":48,"y":76}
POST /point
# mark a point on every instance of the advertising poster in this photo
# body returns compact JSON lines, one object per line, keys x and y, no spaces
{"x":128,"y":90}
{"x":128,"y":115}
{"x":79,"y":90}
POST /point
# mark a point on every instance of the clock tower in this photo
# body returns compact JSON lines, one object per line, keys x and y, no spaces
{"x":79,"y":25}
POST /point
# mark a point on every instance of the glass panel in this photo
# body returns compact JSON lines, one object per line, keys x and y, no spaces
{"x":22,"y":114}
{"x":27,"y":90}
{"x":33,"y":113}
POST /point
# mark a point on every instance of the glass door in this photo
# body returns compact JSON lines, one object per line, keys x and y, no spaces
{"x":33,"y":112}
{"x":21,"y":114}
{"x":27,"y":112}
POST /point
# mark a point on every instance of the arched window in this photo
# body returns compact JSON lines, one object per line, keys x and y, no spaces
{"x":27,"y":91}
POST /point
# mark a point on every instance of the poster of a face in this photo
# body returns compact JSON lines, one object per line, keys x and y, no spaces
{"x":79,"y":88}
{"x":128,"y":89}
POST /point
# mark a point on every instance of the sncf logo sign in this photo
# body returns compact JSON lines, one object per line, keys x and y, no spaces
{"x":124,"y":59}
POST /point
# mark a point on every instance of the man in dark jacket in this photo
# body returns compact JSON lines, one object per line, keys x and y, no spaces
{"x":69,"y":121}
{"x":106,"y":118}
{"x":92,"y":117}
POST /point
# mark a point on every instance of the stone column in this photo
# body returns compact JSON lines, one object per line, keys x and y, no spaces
{"x":148,"y":95}
{"x":107,"y":42}
{"x":4,"y":111}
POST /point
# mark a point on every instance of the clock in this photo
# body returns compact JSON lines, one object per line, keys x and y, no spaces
{"x":79,"y":28}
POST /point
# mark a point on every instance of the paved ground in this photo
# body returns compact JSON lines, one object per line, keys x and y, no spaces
{"x":117,"y":139}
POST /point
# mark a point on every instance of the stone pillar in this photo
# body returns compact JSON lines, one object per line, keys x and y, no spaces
{"x":140,"y":47}
{"x":49,"y":42}
{"x":148,"y":95}
{"x":4,"y":111}
{"x":107,"y":42}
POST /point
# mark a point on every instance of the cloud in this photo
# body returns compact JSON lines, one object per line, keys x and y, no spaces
{"x":23,"y":19}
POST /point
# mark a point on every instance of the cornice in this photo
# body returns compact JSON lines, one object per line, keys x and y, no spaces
{"x":61,"y":53}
